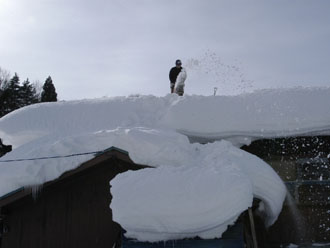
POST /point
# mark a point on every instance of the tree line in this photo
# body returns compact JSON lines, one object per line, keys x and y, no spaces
{"x":14,"y":94}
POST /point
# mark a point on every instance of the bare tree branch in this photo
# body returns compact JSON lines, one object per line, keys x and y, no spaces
{"x":4,"y":79}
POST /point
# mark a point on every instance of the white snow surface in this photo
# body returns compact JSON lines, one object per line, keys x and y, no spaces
{"x":194,"y":189}
{"x":265,"y":113}
{"x":198,"y":191}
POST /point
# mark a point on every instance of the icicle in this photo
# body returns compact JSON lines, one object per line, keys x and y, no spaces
{"x":35,"y":190}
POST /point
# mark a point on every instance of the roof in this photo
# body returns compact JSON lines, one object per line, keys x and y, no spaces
{"x":110,"y":153}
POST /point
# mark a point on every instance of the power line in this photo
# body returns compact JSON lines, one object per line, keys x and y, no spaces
{"x":49,"y":157}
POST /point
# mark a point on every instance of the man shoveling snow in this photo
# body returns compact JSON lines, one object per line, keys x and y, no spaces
{"x":177,"y":77}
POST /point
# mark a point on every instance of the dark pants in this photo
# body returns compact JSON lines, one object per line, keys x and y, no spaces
{"x":172,"y":87}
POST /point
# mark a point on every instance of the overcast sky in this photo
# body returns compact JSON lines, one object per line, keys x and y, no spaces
{"x":121,"y":47}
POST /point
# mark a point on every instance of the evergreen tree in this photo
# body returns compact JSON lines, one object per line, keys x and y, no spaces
{"x":4,"y":81}
{"x":10,"y":98}
{"x":28,"y":94}
{"x":48,"y":93}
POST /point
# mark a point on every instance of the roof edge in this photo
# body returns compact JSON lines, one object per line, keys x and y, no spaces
{"x":111,"y":152}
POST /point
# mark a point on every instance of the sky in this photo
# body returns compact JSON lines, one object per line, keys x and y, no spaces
{"x":103,"y":48}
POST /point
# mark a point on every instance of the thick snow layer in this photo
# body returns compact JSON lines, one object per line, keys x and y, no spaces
{"x":267,"y":113}
{"x":209,"y":187}
{"x":76,"y":117}
{"x":195,"y":189}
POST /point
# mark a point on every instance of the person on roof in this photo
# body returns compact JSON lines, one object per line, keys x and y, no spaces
{"x":177,"y":77}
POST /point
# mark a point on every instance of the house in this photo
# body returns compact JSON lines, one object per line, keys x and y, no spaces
{"x":290,"y":130}
{"x":71,"y":211}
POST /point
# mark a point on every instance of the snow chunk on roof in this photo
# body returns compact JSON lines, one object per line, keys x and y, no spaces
{"x":146,"y":146}
{"x":210,"y":186}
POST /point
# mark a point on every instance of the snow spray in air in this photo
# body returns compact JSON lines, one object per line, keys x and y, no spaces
{"x":210,"y":71}
{"x":297,"y":218}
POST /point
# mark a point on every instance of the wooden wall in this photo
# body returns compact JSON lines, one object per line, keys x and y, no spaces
{"x":71,"y":213}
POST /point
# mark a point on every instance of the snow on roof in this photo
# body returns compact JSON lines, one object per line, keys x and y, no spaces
{"x":265,"y":113}
{"x":196,"y":189}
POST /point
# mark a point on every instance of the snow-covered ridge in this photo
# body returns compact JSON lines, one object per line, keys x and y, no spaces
{"x":218,"y":180}
{"x":266,"y":113}
{"x":82,"y":116}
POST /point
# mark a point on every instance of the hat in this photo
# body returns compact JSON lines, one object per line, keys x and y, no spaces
{"x":178,"y":62}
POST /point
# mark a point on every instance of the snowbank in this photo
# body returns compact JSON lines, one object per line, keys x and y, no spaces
{"x":195,"y":189}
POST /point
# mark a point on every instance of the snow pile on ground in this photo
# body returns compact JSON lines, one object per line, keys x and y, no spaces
{"x":195,"y":189}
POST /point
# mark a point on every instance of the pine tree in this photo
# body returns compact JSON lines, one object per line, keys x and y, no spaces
{"x":4,"y":81}
{"x":28,"y":94}
{"x":48,"y":93}
{"x":10,"y":96}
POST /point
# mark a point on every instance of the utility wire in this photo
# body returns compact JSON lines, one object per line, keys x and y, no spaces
{"x":51,"y":157}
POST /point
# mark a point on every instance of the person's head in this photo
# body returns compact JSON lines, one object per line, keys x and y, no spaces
{"x":178,"y":63}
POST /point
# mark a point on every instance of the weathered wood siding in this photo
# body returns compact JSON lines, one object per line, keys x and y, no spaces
{"x":71,"y":213}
